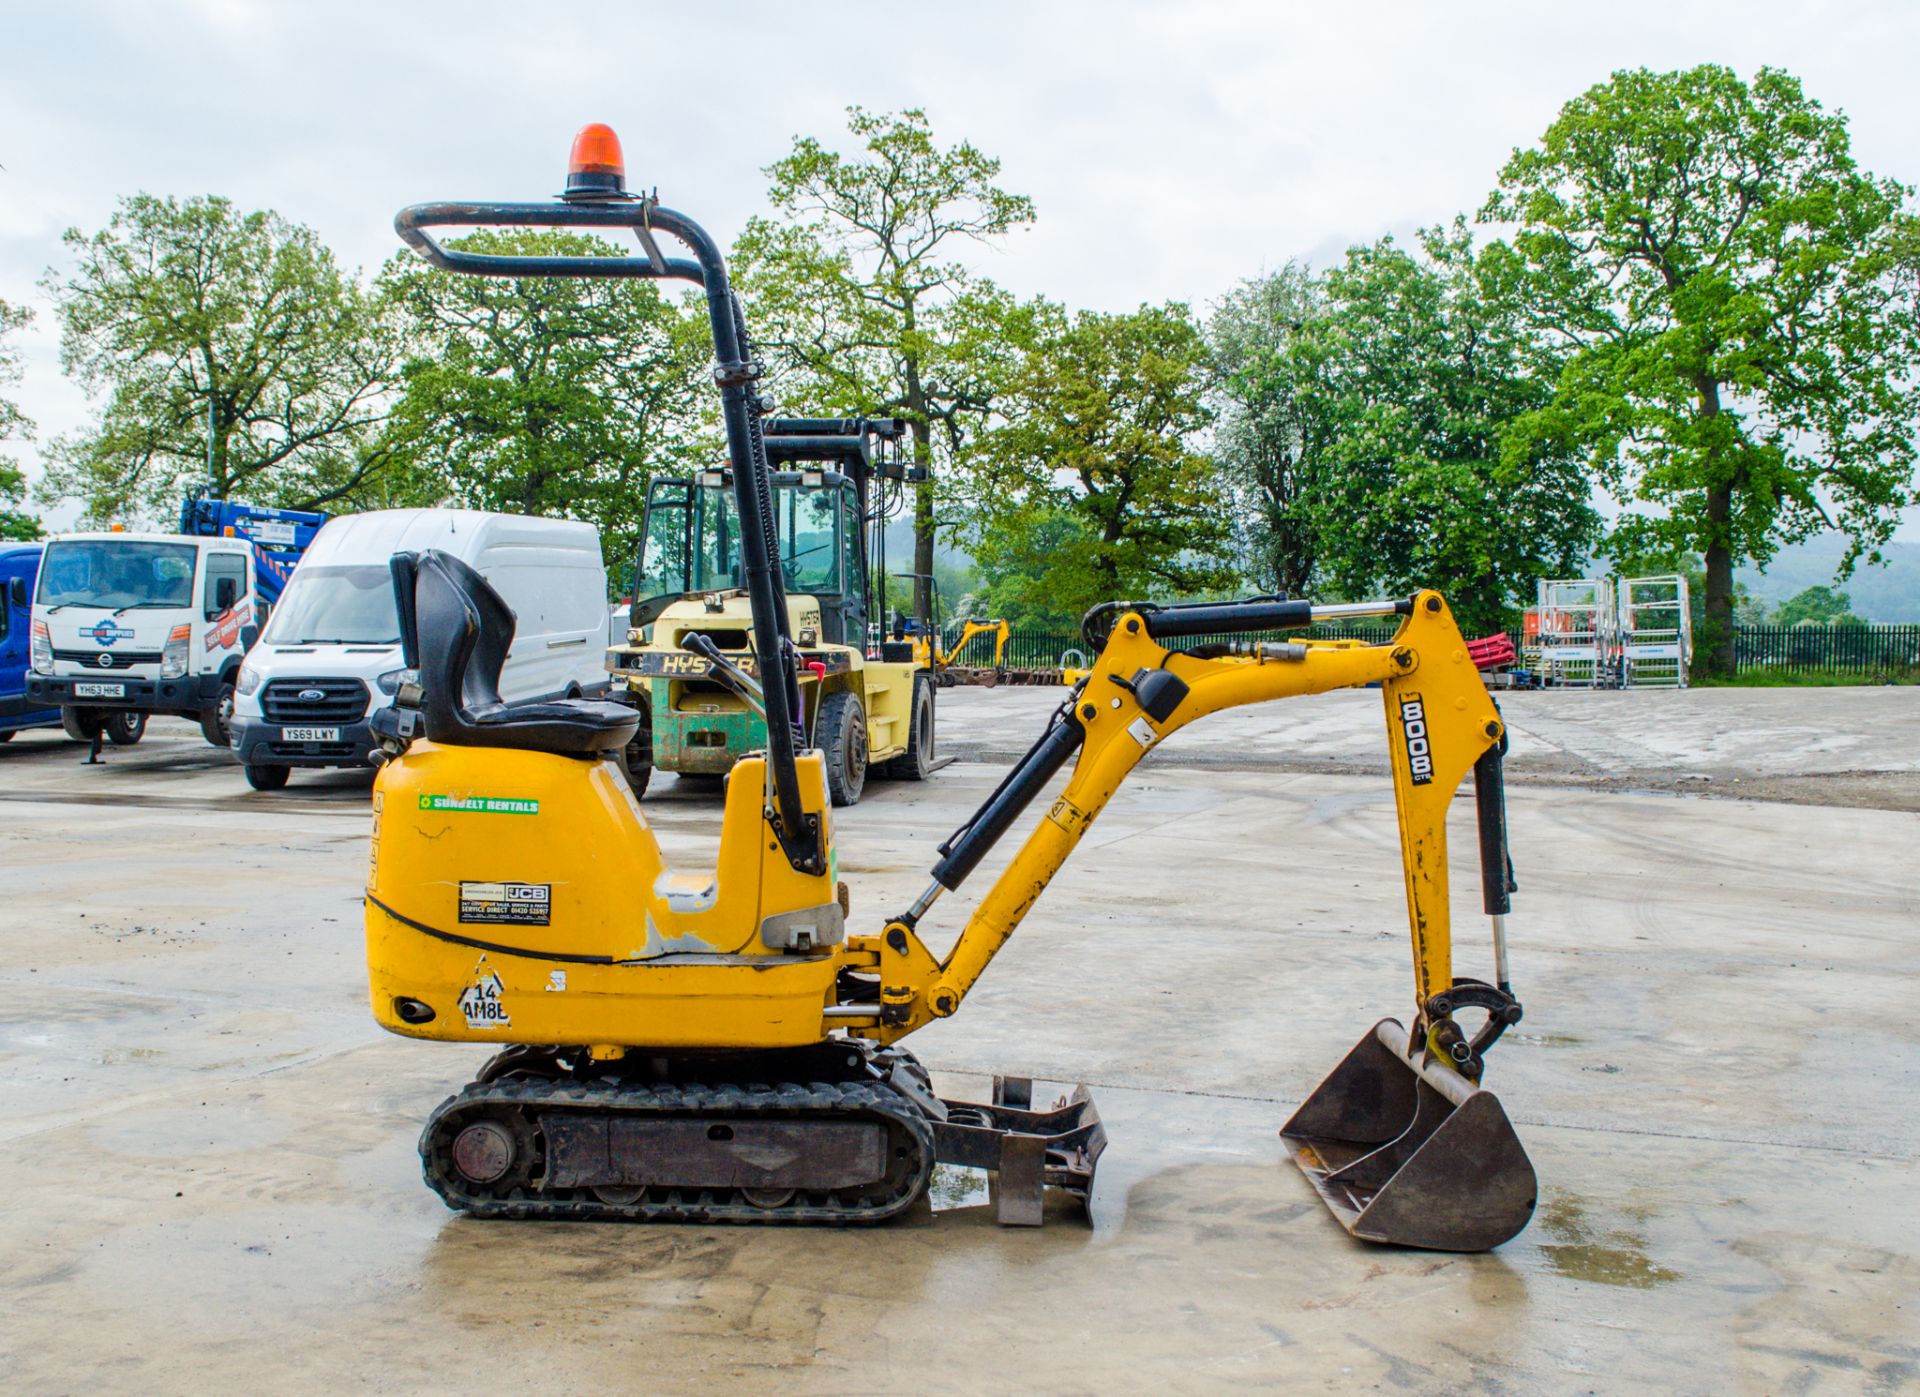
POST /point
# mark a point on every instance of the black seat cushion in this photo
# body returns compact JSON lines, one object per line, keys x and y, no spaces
{"x":462,"y":631}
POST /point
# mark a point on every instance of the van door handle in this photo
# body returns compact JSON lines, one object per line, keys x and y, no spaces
{"x":556,"y":644}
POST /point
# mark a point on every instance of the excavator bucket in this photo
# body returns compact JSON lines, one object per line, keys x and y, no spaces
{"x":1411,"y":1153}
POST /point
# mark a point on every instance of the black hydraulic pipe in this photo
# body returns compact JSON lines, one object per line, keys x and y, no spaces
{"x":733,"y":372}
{"x":1490,"y":810}
{"x":1003,"y":807}
{"x":1228,"y":617}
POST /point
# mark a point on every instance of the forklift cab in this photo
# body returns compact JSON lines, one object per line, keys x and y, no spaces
{"x":690,"y":545}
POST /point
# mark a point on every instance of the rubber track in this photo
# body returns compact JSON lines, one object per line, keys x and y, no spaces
{"x":789,"y":1100}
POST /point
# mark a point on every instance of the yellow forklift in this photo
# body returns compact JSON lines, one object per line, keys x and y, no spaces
{"x":868,"y":705}
{"x":724,"y":1043}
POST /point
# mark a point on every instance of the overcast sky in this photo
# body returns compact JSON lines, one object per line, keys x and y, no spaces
{"x":1171,"y":148}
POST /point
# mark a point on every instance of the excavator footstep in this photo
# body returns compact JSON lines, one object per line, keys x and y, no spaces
{"x":1411,"y":1153}
{"x":1029,"y":1151}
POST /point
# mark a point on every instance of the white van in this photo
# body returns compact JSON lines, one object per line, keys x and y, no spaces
{"x":330,"y":656}
{"x":127,"y":624}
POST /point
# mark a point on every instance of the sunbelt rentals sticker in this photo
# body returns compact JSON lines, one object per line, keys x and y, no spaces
{"x":481,"y":805}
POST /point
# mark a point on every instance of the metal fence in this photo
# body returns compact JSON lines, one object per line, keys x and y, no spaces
{"x":1868,"y":651}
{"x":1892,"y":651}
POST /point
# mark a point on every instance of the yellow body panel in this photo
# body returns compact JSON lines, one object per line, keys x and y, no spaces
{"x":681,"y":958}
{"x":522,"y":898}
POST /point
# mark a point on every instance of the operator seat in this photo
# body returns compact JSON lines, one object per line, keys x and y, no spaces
{"x":456,"y":630}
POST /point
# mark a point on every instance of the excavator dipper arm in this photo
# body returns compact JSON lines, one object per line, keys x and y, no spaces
{"x":1440,"y":722}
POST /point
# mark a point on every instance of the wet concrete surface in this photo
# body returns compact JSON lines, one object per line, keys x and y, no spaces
{"x":1840,"y":746}
{"x":210,"y":1147}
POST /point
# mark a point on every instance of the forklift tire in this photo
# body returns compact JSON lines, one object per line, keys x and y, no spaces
{"x":126,"y":728}
{"x":82,"y":724}
{"x":916,"y":763}
{"x":267,"y":778}
{"x":216,"y":722}
{"x":842,"y":732}
{"x":636,"y":758}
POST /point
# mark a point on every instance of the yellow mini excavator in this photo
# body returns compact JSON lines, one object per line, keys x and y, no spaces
{"x":717,"y":1044}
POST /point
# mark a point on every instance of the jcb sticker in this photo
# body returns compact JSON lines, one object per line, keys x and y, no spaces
{"x":481,"y":1001}
{"x":1068,"y":816}
{"x":1413,"y":726}
{"x":517,"y":904}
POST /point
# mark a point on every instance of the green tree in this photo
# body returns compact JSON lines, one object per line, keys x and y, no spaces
{"x":1415,"y":370}
{"x":549,"y":395}
{"x":1820,"y":606}
{"x":15,"y":522}
{"x":190,"y":312}
{"x":1097,"y":427}
{"x":1739,"y":304}
{"x":1273,"y":433}
{"x":855,"y":293}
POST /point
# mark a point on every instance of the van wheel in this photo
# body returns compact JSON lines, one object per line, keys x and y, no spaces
{"x":126,"y":728}
{"x":636,"y":758}
{"x":216,"y":722}
{"x":267,"y":778}
{"x":916,"y":763}
{"x":82,"y":724}
{"x":843,"y":738}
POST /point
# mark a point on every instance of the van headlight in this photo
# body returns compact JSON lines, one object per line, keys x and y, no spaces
{"x":249,"y":679}
{"x":42,"y":648}
{"x":173,"y":659}
{"x":391,"y":681}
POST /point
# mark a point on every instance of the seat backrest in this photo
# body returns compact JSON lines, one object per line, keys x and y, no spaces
{"x":463,"y":630}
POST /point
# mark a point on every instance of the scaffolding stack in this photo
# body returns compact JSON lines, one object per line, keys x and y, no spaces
{"x":1656,"y":632}
{"x":1578,"y":636}
{"x":1611,"y":633}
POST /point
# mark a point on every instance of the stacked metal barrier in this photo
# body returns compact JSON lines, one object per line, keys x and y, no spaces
{"x":1656,"y":632}
{"x":1611,"y":633}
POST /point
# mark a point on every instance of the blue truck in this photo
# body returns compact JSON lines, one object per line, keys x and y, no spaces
{"x":19,"y":565}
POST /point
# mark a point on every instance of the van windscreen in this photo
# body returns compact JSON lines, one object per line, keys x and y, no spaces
{"x":336,"y":606}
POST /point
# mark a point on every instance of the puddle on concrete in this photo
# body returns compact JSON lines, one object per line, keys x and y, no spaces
{"x":1583,"y":1253}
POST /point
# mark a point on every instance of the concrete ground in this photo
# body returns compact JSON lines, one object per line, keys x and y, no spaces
{"x":210,"y":1148}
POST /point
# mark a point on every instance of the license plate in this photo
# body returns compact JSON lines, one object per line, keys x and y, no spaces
{"x":86,"y":690}
{"x":309,"y":734}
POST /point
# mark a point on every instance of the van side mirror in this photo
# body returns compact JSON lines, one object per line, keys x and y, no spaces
{"x":226,"y":591}
{"x":17,"y":591}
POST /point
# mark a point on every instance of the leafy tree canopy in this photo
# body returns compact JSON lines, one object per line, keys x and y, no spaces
{"x":1090,"y":485}
{"x":1821,"y":606}
{"x":855,"y":292}
{"x":190,"y":313}
{"x":1738,"y":302}
{"x":547,"y":395}
{"x":15,"y":522}
{"x":1273,"y":432}
{"x":1393,"y":394}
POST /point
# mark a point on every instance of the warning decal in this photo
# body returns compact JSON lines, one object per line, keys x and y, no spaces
{"x":516,"y":904}
{"x":481,"y":1001}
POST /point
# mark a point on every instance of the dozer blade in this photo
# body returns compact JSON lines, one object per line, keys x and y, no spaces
{"x":1029,"y":1151}
{"x":1411,"y":1153}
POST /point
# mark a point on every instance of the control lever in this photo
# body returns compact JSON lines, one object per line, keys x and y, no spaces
{"x":727,"y":672}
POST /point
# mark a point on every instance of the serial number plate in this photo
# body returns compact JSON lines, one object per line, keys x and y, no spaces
{"x":85,"y":690}
{"x":309,"y":734}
